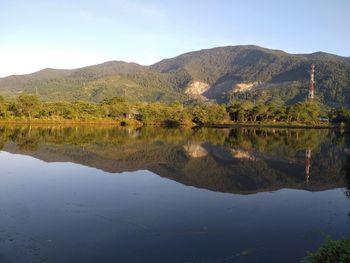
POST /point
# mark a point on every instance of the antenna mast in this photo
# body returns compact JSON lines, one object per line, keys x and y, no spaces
{"x":312,"y":83}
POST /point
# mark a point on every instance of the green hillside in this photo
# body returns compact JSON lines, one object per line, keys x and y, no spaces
{"x":278,"y":75}
{"x":95,"y":83}
{"x":224,"y":74}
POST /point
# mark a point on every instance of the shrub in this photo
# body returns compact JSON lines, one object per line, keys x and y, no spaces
{"x":331,"y":251}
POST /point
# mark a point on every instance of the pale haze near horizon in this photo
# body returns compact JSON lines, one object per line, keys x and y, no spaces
{"x":68,"y":34}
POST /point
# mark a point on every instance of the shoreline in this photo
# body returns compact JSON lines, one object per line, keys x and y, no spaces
{"x":135,"y":124}
{"x":69,"y":122}
{"x":263,"y":125}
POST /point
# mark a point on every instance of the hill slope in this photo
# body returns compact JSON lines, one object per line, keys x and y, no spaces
{"x":257,"y":73}
{"x":95,"y":83}
{"x":221,"y":74}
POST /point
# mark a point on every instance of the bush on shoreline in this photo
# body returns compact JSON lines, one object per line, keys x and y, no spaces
{"x":331,"y":251}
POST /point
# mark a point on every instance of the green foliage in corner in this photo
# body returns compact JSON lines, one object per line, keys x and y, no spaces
{"x":331,"y":251}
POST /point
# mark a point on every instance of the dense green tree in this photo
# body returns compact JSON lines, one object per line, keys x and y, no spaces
{"x":340,"y":115}
{"x":27,"y":105}
{"x":259,"y":112}
{"x":168,"y":114}
{"x":2,"y":107}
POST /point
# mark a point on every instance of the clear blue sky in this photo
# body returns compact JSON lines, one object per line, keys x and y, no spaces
{"x":67,"y":33}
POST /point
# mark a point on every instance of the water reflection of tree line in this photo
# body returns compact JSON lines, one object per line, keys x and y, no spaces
{"x":347,"y":174}
{"x":261,"y":140}
{"x":236,"y":160}
{"x":277,"y":142}
{"x":347,"y":191}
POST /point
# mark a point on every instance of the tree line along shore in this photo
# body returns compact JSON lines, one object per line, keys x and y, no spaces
{"x":117,"y":111}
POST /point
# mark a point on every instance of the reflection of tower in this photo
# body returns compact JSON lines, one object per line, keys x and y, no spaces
{"x":312,"y":82}
{"x":307,"y":164}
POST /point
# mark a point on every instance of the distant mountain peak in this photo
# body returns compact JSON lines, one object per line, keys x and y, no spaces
{"x":225,"y":70}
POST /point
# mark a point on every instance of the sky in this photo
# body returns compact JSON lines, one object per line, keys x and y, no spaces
{"x":38,"y":34}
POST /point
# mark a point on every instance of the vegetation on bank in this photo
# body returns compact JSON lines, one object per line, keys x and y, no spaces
{"x":117,"y":110}
{"x":330,"y":251}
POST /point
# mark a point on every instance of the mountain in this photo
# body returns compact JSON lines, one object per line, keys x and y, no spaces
{"x":257,"y":73}
{"x":220,"y":74}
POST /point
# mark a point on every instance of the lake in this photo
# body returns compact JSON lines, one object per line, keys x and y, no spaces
{"x":106,"y":194}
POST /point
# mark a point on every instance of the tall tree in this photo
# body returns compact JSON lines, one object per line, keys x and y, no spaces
{"x":27,"y":104}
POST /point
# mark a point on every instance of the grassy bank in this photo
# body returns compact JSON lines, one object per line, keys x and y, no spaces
{"x":97,"y":121}
{"x":137,"y":123}
{"x":276,"y":125}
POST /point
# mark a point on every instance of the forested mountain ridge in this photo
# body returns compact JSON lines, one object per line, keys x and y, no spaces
{"x":251,"y":72}
{"x":220,"y":74}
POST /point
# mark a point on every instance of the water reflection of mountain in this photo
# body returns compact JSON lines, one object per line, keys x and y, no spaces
{"x":235,"y":161}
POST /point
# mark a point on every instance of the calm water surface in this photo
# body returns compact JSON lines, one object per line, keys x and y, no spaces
{"x":94,"y":194}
